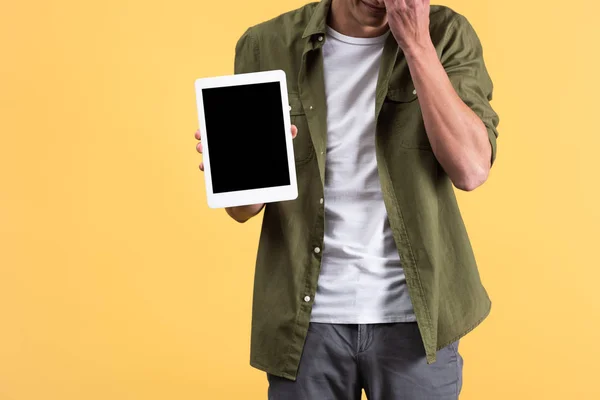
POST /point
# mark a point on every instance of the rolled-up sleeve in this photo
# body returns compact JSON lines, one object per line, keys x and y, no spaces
{"x":462,"y":58}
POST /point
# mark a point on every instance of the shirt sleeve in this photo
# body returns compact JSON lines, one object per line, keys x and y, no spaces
{"x":462,"y":58}
{"x":247,"y":56}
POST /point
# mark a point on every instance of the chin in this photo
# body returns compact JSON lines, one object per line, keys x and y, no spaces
{"x":368,"y":16}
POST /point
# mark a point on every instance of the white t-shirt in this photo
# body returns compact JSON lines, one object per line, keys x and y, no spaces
{"x":361,"y":279}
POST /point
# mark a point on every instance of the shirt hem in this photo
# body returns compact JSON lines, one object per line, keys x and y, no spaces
{"x":271,"y":371}
{"x":432,"y":358}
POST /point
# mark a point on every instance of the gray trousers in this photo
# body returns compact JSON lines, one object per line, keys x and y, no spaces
{"x":386,"y":360}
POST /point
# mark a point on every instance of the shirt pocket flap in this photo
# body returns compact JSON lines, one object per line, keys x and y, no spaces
{"x":303,"y":149}
{"x":405,"y":94}
{"x":295,"y":104}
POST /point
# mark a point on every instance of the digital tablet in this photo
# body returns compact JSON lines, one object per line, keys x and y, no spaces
{"x":246,"y":139}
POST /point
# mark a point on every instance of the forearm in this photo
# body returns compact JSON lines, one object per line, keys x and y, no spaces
{"x":244,"y":213}
{"x":457,"y":135}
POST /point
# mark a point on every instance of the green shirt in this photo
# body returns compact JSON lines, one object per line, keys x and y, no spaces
{"x":441,"y":273}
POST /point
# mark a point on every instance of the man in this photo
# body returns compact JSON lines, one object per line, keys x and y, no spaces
{"x":368,"y":279}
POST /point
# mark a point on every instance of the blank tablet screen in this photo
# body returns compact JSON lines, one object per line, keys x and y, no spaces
{"x":246,"y":142}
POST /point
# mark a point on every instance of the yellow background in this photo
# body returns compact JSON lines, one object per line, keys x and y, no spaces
{"x":116,"y":280}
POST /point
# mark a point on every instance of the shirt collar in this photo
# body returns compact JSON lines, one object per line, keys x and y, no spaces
{"x":318,"y":21}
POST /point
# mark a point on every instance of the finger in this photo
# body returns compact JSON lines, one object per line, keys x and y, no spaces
{"x":294,"y":131}
{"x":201,"y":166}
{"x":398,"y":4}
{"x":199,"y":147}
{"x":197,"y":134}
{"x":391,"y":4}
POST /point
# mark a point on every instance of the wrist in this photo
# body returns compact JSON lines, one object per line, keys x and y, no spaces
{"x":419,"y":49}
{"x":244,"y":213}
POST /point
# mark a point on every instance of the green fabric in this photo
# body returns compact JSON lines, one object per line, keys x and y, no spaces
{"x":442,"y":277}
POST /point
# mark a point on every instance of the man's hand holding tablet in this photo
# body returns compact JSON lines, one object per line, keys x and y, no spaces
{"x":239,"y":213}
{"x":244,"y":169}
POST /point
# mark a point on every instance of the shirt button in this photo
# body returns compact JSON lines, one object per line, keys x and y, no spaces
{"x":307,"y":298}
{"x":290,"y":108}
{"x":321,"y":200}
{"x":317,"y":250}
{"x":320,"y":38}
{"x":415,"y":91}
{"x":310,"y":108}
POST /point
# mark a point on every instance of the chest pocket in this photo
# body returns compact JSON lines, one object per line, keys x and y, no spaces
{"x":303,"y":148}
{"x":402,"y":117}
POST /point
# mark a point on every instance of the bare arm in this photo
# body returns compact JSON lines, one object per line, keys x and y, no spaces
{"x":458,"y":137}
{"x":243,"y":213}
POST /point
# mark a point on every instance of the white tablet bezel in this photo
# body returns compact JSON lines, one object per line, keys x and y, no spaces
{"x":253,"y":196}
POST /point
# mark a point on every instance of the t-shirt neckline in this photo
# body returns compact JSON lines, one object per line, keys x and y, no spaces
{"x":357,"y":40}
